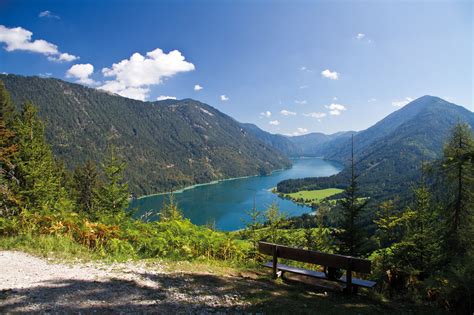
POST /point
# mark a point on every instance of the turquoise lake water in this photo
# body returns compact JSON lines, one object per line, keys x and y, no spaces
{"x":225,"y":202}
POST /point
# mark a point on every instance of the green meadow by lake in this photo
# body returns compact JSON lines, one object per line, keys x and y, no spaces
{"x":225,"y":202}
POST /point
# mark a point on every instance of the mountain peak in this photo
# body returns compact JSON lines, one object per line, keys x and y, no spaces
{"x":430,"y":103}
{"x":424,"y":101}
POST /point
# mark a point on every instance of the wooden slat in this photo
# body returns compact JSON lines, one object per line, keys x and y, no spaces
{"x":360,"y":282}
{"x":320,"y":275}
{"x":300,"y":271}
{"x":315,"y":257}
{"x":266,"y":248}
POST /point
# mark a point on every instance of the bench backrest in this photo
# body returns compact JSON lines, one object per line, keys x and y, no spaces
{"x":315,"y":257}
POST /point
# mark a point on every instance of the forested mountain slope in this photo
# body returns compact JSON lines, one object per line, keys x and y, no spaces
{"x":389,"y":154}
{"x":166,"y":144}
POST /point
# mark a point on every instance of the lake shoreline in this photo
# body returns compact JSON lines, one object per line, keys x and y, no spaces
{"x":178,"y":191}
{"x":181,"y":190}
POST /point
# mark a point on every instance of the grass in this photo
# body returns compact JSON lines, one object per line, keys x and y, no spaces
{"x":62,"y":249}
{"x":309,"y":197}
{"x":57,"y":247}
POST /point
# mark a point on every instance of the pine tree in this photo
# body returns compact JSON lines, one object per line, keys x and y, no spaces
{"x":275,"y":220}
{"x":170,"y":211}
{"x":351,"y":237}
{"x":113,"y":195}
{"x":9,"y":201}
{"x":38,"y":182}
{"x":86,"y":185}
{"x":422,"y":232}
{"x":389,"y":224}
{"x":458,"y":169}
{"x":252,"y":226}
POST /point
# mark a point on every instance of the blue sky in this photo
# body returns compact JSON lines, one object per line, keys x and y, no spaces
{"x":291,"y":67}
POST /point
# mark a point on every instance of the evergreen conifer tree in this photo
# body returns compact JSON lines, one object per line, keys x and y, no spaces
{"x":86,"y":185}
{"x":275,"y":220}
{"x":458,"y":169}
{"x":9,"y":200}
{"x":113,"y":195}
{"x":252,"y":226}
{"x":351,"y":236}
{"x":422,"y":234}
{"x":170,"y":211}
{"x":38,"y":181}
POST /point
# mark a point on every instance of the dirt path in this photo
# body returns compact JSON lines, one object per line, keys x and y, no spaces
{"x":30,"y":284}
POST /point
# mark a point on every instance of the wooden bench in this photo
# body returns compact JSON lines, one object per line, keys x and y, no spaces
{"x":350,"y":264}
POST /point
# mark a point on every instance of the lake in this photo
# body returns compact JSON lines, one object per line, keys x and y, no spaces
{"x":225,"y":202}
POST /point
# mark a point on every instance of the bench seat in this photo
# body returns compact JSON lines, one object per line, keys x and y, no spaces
{"x":320,"y":275}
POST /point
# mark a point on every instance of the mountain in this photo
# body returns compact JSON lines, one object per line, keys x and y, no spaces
{"x":389,"y":154}
{"x":166,"y":144}
{"x":279,"y":142}
{"x":312,"y":144}
{"x":427,"y":114}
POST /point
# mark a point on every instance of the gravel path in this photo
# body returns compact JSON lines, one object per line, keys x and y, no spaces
{"x":35,"y":285}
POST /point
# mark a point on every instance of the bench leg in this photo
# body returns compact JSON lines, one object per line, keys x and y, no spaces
{"x":349,"y":277}
{"x":275,"y":262}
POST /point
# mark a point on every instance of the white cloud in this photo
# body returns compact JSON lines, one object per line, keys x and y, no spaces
{"x":197,"y":87}
{"x":285,"y":112}
{"x":48,"y":14}
{"x":301,"y":102}
{"x":82,"y":73}
{"x":334,"y":98}
{"x":372,"y":100}
{"x":317,"y":115}
{"x":266,"y":114}
{"x":165,"y":97}
{"x":333,"y":75}
{"x":45,"y":75}
{"x":335,"y":109}
{"x":18,"y":38}
{"x":298,"y":132}
{"x":64,"y":57}
{"x":304,"y":87}
{"x":224,"y":98}
{"x":274,"y":122}
{"x":360,"y":36}
{"x":133,"y":77}
{"x":402,"y":103}
{"x":304,"y":68}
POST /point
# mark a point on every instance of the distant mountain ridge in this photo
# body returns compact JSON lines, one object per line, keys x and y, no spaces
{"x":279,"y":142}
{"x":166,"y":144}
{"x":389,"y":154}
{"x":311,"y":144}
